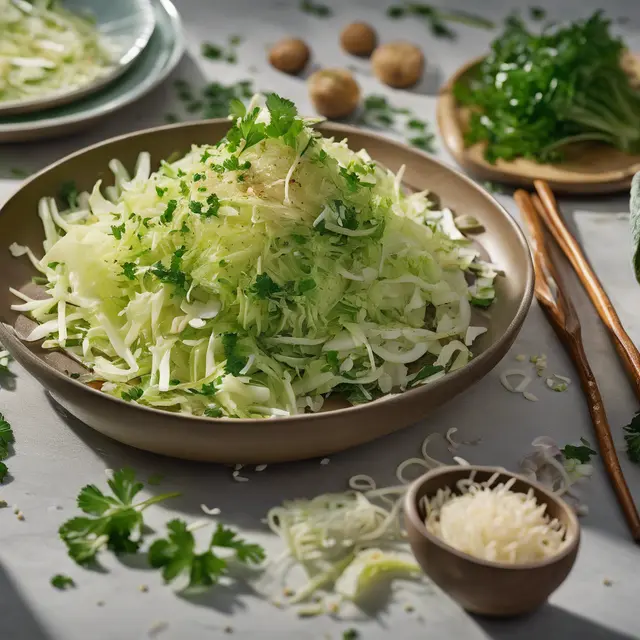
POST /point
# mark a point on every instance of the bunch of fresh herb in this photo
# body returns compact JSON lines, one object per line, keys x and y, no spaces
{"x":536,"y":93}
{"x":436,"y":19}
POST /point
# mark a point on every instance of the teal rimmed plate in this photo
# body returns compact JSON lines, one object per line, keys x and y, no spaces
{"x":126,"y":25}
{"x":156,"y":61}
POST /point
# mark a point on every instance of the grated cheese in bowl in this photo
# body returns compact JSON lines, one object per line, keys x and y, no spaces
{"x":494,"y":523}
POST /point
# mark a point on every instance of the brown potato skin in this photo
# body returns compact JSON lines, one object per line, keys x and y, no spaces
{"x":359,"y":39}
{"x":289,"y":55}
{"x":334,"y":92}
{"x":398,"y":64}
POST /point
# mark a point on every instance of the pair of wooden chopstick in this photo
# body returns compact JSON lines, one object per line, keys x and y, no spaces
{"x":543,"y":208}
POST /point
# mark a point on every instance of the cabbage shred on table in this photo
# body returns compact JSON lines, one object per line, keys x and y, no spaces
{"x":253,"y":277}
{"x":46,"y":49}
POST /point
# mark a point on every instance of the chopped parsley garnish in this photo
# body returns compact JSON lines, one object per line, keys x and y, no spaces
{"x":351,"y":179}
{"x":17,"y":172}
{"x":216,"y":52}
{"x":167,"y":216}
{"x":264,"y":287}
{"x":173,"y":275}
{"x":117,"y":231}
{"x":129,"y":270}
{"x":6,"y":440}
{"x":414,"y":123}
{"x":305,"y":285}
{"x":135,"y":393}
{"x":582,"y":453}
{"x":213,"y":412}
{"x":233,"y":164}
{"x":350,"y":634}
{"x":74,"y":376}
{"x":207,"y":389}
{"x":235,"y":363}
{"x":315,"y":9}
{"x":184,"y":188}
{"x":62,"y":582}
{"x":176,"y":555}
{"x":171,"y":118}
{"x":632,"y":438}
{"x":111,"y":521}
{"x":155,"y":479}
{"x":161,"y":191}
{"x":284,"y":121}
{"x":53,"y":265}
{"x":69,"y":193}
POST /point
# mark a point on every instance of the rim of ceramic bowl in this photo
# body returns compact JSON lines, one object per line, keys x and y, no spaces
{"x":8,"y":334}
{"x":412,"y":510}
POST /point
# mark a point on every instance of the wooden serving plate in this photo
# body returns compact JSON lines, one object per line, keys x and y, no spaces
{"x":588,"y":168}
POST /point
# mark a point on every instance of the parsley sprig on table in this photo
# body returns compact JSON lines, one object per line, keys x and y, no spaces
{"x":176,"y":555}
{"x":113,"y":521}
{"x":6,"y":440}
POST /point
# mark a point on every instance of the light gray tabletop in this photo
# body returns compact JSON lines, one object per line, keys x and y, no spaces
{"x":55,"y":455}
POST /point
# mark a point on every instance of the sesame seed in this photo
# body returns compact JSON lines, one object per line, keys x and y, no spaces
{"x":261,"y":467}
{"x":324,"y":461}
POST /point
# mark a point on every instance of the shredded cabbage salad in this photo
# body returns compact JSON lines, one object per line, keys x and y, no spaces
{"x":253,"y":277}
{"x":45,"y":49}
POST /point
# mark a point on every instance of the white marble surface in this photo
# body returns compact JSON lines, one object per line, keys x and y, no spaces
{"x":55,"y":455}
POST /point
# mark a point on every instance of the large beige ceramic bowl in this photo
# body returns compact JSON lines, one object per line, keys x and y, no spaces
{"x":258,"y":441}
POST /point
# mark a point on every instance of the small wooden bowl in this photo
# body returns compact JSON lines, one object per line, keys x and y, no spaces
{"x":479,"y":586}
{"x":588,"y":167}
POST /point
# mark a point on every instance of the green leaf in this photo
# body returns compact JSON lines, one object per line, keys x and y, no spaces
{"x":3,"y":472}
{"x":227,"y":538}
{"x":69,"y":193}
{"x":118,"y":524}
{"x":213,"y":412}
{"x":264,"y":287}
{"x":632,"y":438}
{"x":635,"y":223}
{"x":426,"y":372}
{"x":62,"y":582}
{"x":124,"y":485}
{"x":129,"y":270}
{"x":92,"y":501}
{"x":237,"y":108}
{"x":582,"y":453}
{"x":6,"y":438}
{"x":117,"y":231}
{"x":235,"y":363}
{"x":130,"y":395}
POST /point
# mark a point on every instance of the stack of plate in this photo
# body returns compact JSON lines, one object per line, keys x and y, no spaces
{"x":149,"y":40}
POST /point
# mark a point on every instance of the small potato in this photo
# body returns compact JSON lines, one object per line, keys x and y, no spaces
{"x":289,"y":55}
{"x":358,"y":39}
{"x":398,"y":64}
{"x":334,"y":92}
